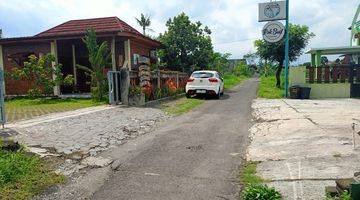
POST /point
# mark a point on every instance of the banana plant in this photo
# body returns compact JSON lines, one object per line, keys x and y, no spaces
{"x":99,"y":58}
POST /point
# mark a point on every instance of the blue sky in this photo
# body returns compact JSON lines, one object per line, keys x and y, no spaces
{"x":233,"y":22}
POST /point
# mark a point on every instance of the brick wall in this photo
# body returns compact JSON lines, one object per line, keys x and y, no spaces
{"x":20,"y":87}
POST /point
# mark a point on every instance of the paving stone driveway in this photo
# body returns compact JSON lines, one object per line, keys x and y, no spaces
{"x":304,"y":145}
{"x":87,"y":131}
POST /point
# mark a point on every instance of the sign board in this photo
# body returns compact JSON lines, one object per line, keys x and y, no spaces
{"x":273,"y":32}
{"x":271,"y":11}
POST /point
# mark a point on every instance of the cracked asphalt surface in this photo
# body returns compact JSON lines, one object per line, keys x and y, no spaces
{"x":192,"y":156}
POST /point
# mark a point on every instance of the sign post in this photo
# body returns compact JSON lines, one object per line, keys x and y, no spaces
{"x":287,"y":50}
{"x":274,"y":31}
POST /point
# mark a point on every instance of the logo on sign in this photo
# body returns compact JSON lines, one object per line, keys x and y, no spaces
{"x":272,"y":10}
{"x":273,"y":31}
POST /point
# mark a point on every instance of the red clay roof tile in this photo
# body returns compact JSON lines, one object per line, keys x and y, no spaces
{"x":101,"y":25}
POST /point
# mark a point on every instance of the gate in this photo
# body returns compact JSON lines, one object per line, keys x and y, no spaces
{"x":114,"y":79}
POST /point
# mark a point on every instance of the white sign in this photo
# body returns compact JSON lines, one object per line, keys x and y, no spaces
{"x":273,"y":31}
{"x":271,"y":11}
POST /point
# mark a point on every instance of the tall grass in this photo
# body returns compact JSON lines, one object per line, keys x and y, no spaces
{"x":268,"y":89}
{"x":23,"y":175}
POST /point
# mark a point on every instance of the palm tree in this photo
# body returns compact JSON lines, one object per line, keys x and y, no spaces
{"x":99,"y":58}
{"x":144,"y":22}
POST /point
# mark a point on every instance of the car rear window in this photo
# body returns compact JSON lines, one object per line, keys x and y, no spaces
{"x":202,"y":75}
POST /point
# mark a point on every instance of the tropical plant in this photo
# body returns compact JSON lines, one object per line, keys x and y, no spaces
{"x":144,"y":22}
{"x":99,"y":58}
{"x":299,"y":37}
{"x":40,"y":72}
{"x":187,"y":45}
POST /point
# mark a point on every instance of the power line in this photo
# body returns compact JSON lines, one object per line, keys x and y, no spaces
{"x":237,"y":41}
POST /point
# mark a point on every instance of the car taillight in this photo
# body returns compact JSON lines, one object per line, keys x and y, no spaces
{"x":213,"y":80}
{"x":190,"y":80}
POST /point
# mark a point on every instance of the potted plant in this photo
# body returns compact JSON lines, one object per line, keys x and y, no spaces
{"x":136,"y":96}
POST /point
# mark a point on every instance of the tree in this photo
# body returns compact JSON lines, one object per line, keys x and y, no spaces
{"x":144,"y":22}
{"x":40,"y":72}
{"x":220,"y":62}
{"x":299,"y":37}
{"x":99,"y":58}
{"x":187,"y":46}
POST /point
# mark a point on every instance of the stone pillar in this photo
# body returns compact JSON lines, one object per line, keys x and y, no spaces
{"x":53,"y":46}
{"x":113,"y":59}
{"x":2,"y":68}
{"x":74,"y":64}
{"x":125,"y":85}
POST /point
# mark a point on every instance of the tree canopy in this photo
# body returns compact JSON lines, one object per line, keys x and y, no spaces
{"x":299,"y":37}
{"x":187,"y":45}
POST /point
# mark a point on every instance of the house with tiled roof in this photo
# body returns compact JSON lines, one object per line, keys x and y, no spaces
{"x":65,"y":43}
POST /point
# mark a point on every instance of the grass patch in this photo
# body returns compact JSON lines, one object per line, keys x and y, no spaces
{"x":253,"y":185}
{"x":268,"y":89}
{"x":23,"y":175}
{"x":248,"y":174}
{"x":230,"y":80}
{"x":182,"y":105}
{"x":24,"y":108}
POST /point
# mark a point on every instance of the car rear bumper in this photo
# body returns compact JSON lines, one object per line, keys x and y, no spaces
{"x":211,"y":90}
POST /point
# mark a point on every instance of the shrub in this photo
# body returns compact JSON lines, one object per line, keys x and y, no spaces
{"x":41,"y":71}
{"x":260,"y":192}
{"x":135,"y":90}
{"x":243,"y":70}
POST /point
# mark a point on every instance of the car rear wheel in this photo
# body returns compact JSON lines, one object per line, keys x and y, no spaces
{"x":188,"y":95}
{"x":218,"y":94}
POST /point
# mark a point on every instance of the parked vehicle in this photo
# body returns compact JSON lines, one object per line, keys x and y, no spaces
{"x":208,"y":83}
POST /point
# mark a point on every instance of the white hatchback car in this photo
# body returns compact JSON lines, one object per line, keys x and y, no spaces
{"x":209,"y":83}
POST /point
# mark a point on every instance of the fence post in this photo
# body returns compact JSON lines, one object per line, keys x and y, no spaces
{"x":159,"y":79}
{"x":177,"y":79}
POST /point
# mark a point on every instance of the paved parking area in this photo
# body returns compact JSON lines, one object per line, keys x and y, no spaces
{"x":87,"y":131}
{"x":304,"y":145}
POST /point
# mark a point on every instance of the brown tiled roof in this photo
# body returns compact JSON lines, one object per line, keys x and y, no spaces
{"x":101,"y":25}
{"x":78,"y":28}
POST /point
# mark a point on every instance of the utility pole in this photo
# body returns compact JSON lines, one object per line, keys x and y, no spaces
{"x":287,"y":50}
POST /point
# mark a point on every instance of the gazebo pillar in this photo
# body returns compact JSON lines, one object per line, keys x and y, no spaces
{"x":318,"y":58}
{"x":127,"y":50}
{"x":113,"y":59}
{"x":53,"y":48}
{"x":74,"y":64}
{"x":313,"y":60}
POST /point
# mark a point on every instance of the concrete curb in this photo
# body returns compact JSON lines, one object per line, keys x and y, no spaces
{"x":158,"y":101}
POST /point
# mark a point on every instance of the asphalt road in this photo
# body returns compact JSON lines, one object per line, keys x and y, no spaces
{"x":193,"y":156}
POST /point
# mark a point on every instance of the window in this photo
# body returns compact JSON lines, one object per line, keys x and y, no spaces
{"x":202,"y":75}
